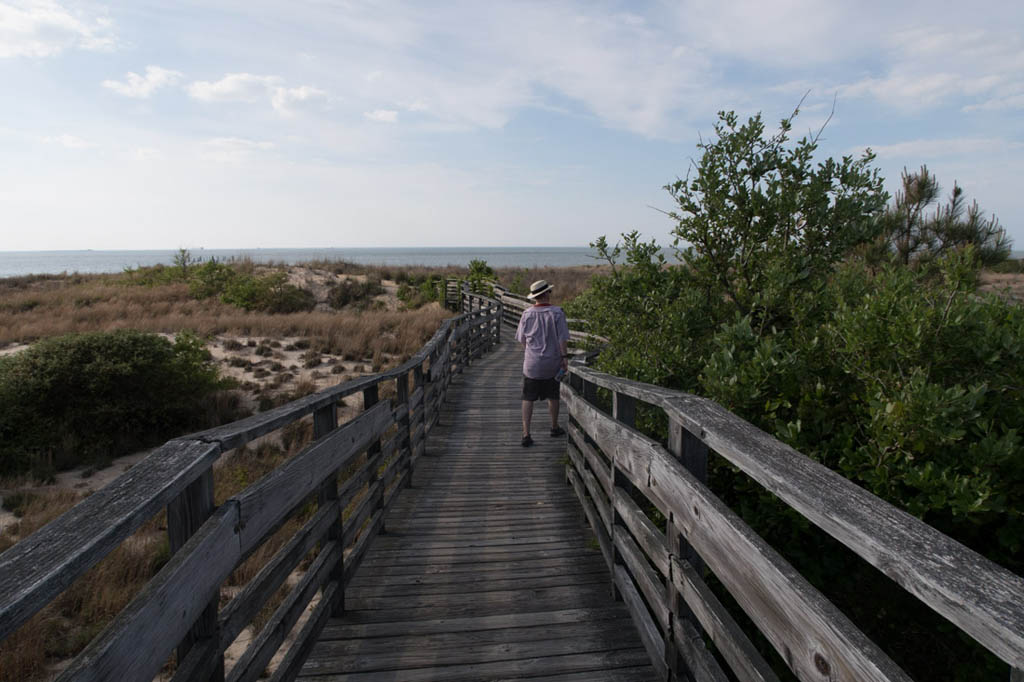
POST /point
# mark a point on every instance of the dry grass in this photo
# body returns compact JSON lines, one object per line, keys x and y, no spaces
{"x":98,"y":305}
{"x":35,"y":307}
{"x":66,"y":625}
{"x":63,"y":628}
{"x":569,"y":282}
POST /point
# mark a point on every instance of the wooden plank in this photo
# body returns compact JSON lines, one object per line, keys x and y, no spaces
{"x":732,"y":643}
{"x":479,"y":651}
{"x":978,"y":596}
{"x":256,"y":657}
{"x":600,"y":467}
{"x":331,"y":651}
{"x":805,"y":628}
{"x":239,"y":433}
{"x":293,"y":661}
{"x":354,"y":556}
{"x":596,"y":524}
{"x":135,"y":645}
{"x":630,"y":456}
{"x":241,"y":610}
{"x":517,"y":668}
{"x":645,"y":578}
{"x":415,"y":398}
{"x":346,"y":629}
{"x":809,"y":632}
{"x":38,"y":568}
{"x":699,"y":661}
{"x":645,"y":533}
{"x":268,"y":500}
{"x":645,"y":625}
{"x":185,"y":515}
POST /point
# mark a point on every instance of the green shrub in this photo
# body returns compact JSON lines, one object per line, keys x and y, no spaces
{"x":90,"y":397}
{"x":353,"y":292}
{"x":905,"y":380}
{"x":210,"y":279}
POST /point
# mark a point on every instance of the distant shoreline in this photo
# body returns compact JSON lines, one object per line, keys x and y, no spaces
{"x":18,"y":263}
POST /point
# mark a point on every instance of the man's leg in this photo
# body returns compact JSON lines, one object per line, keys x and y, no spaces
{"x":527,"y":416}
{"x":553,"y":411}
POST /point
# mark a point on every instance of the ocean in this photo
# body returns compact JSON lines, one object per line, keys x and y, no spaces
{"x":15,"y":263}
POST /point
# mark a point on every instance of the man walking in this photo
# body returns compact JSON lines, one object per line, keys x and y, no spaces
{"x":544,"y":333}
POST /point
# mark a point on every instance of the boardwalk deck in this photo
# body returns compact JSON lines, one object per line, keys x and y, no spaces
{"x":485,"y":572}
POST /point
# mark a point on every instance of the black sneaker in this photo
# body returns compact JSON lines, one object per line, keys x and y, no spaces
{"x":527,"y":441}
{"x":557,"y":432}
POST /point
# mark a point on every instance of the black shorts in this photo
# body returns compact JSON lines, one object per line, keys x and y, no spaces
{"x":540,"y":389}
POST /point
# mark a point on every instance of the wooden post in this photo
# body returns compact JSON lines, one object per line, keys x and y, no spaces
{"x":325,"y":420}
{"x":1016,"y":675}
{"x":418,"y":383}
{"x":499,"y":322}
{"x":624,"y":409}
{"x":185,"y":514}
{"x":405,"y":445}
{"x":371,"y":396}
{"x":590,"y":392}
{"x":692,"y":454}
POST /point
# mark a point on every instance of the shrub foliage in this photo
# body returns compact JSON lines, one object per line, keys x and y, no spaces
{"x":905,"y":379}
{"x":94,"y":396}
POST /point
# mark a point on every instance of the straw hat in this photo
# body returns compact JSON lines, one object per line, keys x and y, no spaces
{"x":539,"y":288}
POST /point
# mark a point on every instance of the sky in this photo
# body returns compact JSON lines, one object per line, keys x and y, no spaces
{"x":139,"y":124}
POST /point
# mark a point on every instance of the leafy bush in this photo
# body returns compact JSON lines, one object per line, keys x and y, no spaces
{"x":415,"y":292}
{"x":94,"y":396}
{"x":352,"y":291}
{"x":905,"y":380}
{"x":210,"y":279}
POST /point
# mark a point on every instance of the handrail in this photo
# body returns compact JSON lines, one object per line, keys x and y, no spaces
{"x":179,"y":605}
{"x":609,"y":461}
{"x":514,"y":305}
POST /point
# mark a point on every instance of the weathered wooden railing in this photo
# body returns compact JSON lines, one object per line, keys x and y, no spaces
{"x":513,"y":306}
{"x":353,"y":471}
{"x":658,"y":571}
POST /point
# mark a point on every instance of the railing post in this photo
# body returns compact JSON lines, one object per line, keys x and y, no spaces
{"x":419,"y":385}
{"x":185,"y":514}
{"x":371,"y":396}
{"x":1016,"y":675}
{"x":692,"y":453}
{"x":405,"y":444}
{"x":325,"y":420}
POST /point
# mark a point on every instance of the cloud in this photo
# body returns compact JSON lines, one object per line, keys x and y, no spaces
{"x":943,"y":148}
{"x":69,"y":141}
{"x":931,"y":65}
{"x":282,"y":98}
{"x":232,"y":149}
{"x":247,"y":87}
{"x":628,"y":71}
{"x":141,"y":87}
{"x":42,"y":28}
{"x":234,"y":87}
{"x":382,"y":115}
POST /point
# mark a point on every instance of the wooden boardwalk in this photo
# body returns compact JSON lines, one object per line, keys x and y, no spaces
{"x":485,"y":572}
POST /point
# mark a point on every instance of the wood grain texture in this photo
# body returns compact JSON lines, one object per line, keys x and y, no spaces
{"x":733,"y":644}
{"x":482,"y":560}
{"x":817,"y":641}
{"x":135,"y":645}
{"x":978,"y":596}
{"x":267,"y":501}
{"x":37,"y":569}
{"x":252,"y":663}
